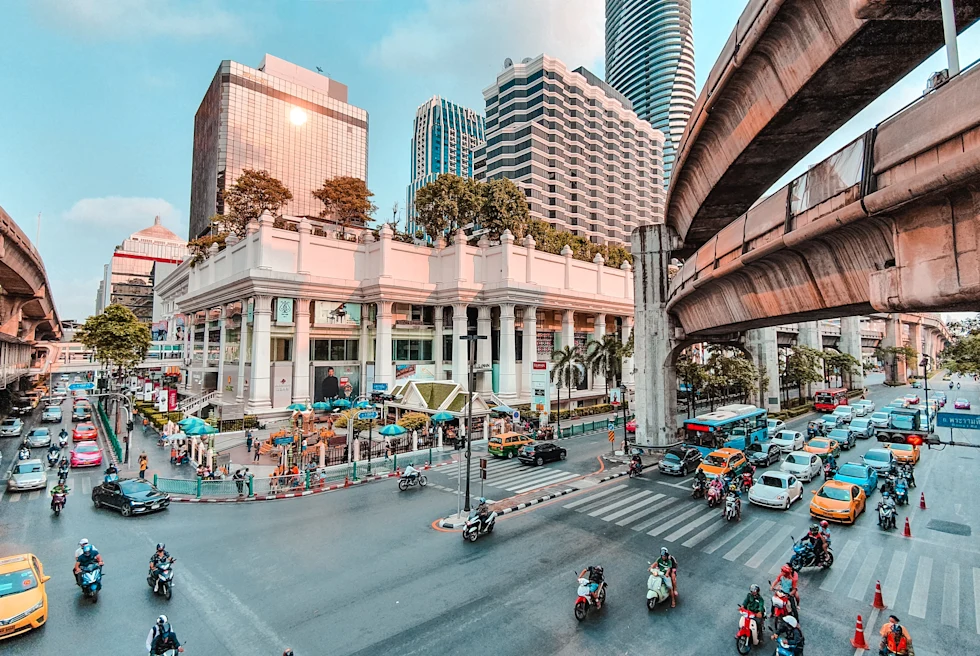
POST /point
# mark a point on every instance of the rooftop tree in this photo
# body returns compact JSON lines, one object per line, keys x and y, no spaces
{"x":347,"y":201}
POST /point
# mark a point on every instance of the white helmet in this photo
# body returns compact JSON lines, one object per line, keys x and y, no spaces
{"x":162,"y":620}
{"x":83,"y":542}
{"x":789,"y":619}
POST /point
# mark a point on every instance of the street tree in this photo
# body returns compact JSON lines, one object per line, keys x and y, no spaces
{"x":567,"y":371}
{"x":347,"y":201}
{"x":504,"y":207}
{"x":892,"y":355}
{"x":253,"y":193}
{"x":842,"y":365}
{"x":116,"y":336}
{"x":446,"y":204}
{"x":605,"y":358}
{"x":963,"y":355}
{"x":694,"y":376}
{"x":802,"y":367}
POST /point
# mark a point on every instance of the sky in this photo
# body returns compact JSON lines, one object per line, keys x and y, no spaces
{"x":99,"y":96}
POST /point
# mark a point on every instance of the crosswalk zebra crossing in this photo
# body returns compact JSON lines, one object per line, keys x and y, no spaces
{"x":514,"y":476}
{"x":932,"y":589}
{"x":77,"y":485}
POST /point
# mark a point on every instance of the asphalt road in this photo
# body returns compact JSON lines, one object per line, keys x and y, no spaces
{"x":361,"y":571}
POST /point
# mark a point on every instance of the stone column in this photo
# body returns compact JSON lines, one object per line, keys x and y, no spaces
{"x":598,"y":334}
{"x":207,"y":345}
{"x":530,"y":349}
{"x":220,"y":387}
{"x":568,"y":328}
{"x":384,"y":371}
{"x":363,"y":346}
{"x":850,"y":343}
{"x":460,"y":349}
{"x":437,"y":341}
{"x":656,"y":378}
{"x":188,"y":347}
{"x":301,"y":352}
{"x":259,"y":390}
{"x":242,"y":344}
{"x":508,"y":354}
{"x":894,"y":365}
{"x":484,"y":379}
{"x":762,"y":346}
{"x":302,"y":265}
{"x":809,"y":335}
{"x":629,"y":364}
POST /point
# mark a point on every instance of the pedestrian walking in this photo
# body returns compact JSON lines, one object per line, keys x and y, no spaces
{"x":248,"y":440}
{"x":143,"y":465}
{"x":239,"y":479}
{"x":255,"y":456}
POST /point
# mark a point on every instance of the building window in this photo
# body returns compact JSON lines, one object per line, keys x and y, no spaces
{"x":282,"y":349}
{"x":412,"y":350}
{"x":332,"y":350}
{"x":447,"y":346}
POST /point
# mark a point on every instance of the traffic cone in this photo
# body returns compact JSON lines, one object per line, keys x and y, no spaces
{"x":908,"y":529}
{"x":922,"y":501}
{"x":346,"y":481}
{"x":858,"y":641}
{"x":878,"y":603}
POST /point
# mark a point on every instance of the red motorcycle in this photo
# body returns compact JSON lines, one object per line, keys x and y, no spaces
{"x":713,"y":495}
{"x":782,"y":605}
{"x":748,"y":630}
{"x":747,"y":480}
{"x":591,"y":594}
{"x":58,"y":502}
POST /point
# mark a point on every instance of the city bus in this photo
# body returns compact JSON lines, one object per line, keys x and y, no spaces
{"x":734,"y":426}
{"x":826,"y":400}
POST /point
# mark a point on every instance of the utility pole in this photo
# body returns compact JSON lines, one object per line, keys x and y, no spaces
{"x":470,"y":340}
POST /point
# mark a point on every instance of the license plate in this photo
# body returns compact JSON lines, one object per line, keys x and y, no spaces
{"x":6,"y":629}
{"x":154,"y":506}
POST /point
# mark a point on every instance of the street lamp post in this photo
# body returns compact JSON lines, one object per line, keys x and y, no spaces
{"x":623,"y":402}
{"x":925,"y":378}
{"x":469,"y":419}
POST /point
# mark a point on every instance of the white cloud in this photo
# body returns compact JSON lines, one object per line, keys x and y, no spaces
{"x":122,"y":211}
{"x":470,"y":38}
{"x":133,"y":19}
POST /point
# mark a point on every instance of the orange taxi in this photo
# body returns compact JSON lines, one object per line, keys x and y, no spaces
{"x":823,"y":446}
{"x":723,"y":462}
{"x":84,"y":433}
{"x":23,"y":599}
{"x":837,"y":501}
{"x":904,"y":453}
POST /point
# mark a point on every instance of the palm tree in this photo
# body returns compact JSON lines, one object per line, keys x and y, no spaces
{"x":565,"y":372}
{"x":605,"y":358}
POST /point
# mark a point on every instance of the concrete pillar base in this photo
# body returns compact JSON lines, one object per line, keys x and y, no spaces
{"x":762,"y":346}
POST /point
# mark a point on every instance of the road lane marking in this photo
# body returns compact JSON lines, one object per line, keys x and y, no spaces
{"x":539,"y":482}
{"x":951,"y":596}
{"x":742,"y":546}
{"x":14,"y":498}
{"x":777,"y":539}
{"x":593,"y":497}
{"x":687,"y":528}
{"x":646,"y":511}
{"x":976,"y":597}
{"x":717,"y":544}
{"x":621,"y":502}
{"x":863,"y":579}
{"x":840,"y":566}
{"x":520,"y":478}
{"x":893,"y":580}
{"x":628,"y":509}
{"x":697,"y":539}
{"x":920,"y":589}
{"x":657,"y":530}
{"x":653,"y":520}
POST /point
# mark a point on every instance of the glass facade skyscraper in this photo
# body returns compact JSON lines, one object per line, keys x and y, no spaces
{"x":445,"y":138}
{"x":650,"y":60}
{"x":280,"y":118}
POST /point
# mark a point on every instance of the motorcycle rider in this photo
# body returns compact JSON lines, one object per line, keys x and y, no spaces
{"x":748,"y":474}
{"x":825,"y":531}
{"x":162,"y":638}
{"x":63,"y":469}
{"x":59,"y":489}
{"x":483,"y":512}
{"x":594,"y":574}
{"x":908,"y":471}
{"x":85,"y":555}
{"x":160,"y":556}
{"x":897,"y":640}
{"x":111,"y":471}
{"x":733,"y":491}
{"x":717,"y":486}
{"x":815,"y":538}
{"x":636,"y":464}
{"x":832,"y":462}
{"x":24,"y":453}
{"x":888,"y":627}
{"x":669,"y":563}
{"x":410,"y":472}
{"x":887,"y":500}
{"x":754,"y":603}
{"x":54,"y":451}
{"x":789,"y":629}
{"x":63,"y":438}
{"x":788,"y":578}
{"x":701,"y":481}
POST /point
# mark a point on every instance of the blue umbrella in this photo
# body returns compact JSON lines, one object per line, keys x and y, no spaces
{"x":203,"y":429}
{"x":504,"y":409}
{"x":442,"y":416}
{"x":363,"y":403}
{"x":392,"y":430}
{"x":300,"y":407}
{"x":190,"y":421}
{"x":341,"y":403}
{"x":322,"y":406}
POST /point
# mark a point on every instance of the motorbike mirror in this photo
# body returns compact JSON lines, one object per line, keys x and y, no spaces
{"x":813,"y":491}
{"x":45,"y":579}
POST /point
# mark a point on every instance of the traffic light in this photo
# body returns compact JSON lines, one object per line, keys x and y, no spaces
{"x":915,"y":440}
{"x":129,"y":426}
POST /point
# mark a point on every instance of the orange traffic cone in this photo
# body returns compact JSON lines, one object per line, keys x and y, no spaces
{"x":908,"y":529}
{"x":346,"y":481}
{"x":878,"y":603}
{"x":858,"y":641}
{"x":922,"y":501}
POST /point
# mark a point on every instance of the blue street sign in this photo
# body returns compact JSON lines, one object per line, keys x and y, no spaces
{"x":283,"y":440}
{"x":958,"y":420}
{"x":81,"y":386}
{"x":379,"y":387}
{"x":367,"y":415}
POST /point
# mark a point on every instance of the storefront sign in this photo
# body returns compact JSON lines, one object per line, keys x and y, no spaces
{"x":251,"y":310}
{"x":379,"y":387}
{"x":411,"y":371}
{"x":540,"y":365}
{"x":541,"y":394}
{"x":172,"y":399}
{"x":284,"y":310}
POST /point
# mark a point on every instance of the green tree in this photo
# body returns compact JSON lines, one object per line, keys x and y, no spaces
{"x":605,"y":358}
{"x":963,"y":354}
{"x":693,"y":374}
{"x":447,"y":204}
{"x":566,"y":371}
{"x":116,"y":336}
{"x":253,"y":193}
{"x":802,"y":367}
{"x":843,"y":365}
{"x":734,"y":374}
{"x":504,"y":207}
{"x":347,"y":201}
{"x":891,"y":355}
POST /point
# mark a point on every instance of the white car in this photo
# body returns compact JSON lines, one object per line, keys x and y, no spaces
{"x":804,"y":465}
{"x":788,"y":440}
{"x":11,"y":427}
{"x":776,"y":490}
{"x":845,"y":412}
{"x":858,"y":409}
{"x":879,"y":419}
{"x":27,"y":475}
{"x":774,"y":426}
{"x":881,"y":460}
{"x":868,"y":404}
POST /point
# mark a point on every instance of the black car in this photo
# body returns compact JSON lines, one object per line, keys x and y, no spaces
{"x":762,"y":454}
{"x":541,"y":452}
{"x":679,"y":460}
{"x":130,"y":496}
{"x":81,"y":413}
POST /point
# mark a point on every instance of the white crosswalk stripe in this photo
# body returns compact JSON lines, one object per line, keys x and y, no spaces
{"x":951,"y":596}
{"x":515,"y":476}
{"x":747,"y":542}
{"x":633,"y":507}
{"x":617,"y":504}
{"x":646,"y":511}
{"x":920,"y":589}
{"x":591,"y":497}
{"x":861,"y":582}
{"x":665,"y":526}
{"x":840,"y":566}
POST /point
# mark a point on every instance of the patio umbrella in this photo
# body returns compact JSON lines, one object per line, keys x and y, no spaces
{"x":299,"y":407}
{"x":392,"y":430}
{"x":341,"y":403}
{"x":190,"y":421}
{"x":322,"y":406}
{"x":504,"y":409}
{"x":363,"y":403}
{"x":203,"y":429}
{"x":442,"y":416}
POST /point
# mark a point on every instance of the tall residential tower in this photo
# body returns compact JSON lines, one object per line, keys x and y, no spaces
{"x":650,"y":60}
{"x":586,"y":162}
{"x":444,"y":140}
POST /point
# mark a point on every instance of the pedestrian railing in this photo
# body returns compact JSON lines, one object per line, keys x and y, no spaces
{"x":111,"y":434}
{"x":589,"y":427}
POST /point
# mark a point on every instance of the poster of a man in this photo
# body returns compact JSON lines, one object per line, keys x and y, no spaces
{"x":331,"y":386}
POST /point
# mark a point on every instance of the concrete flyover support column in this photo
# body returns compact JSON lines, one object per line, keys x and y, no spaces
{"x":629,"y":364}
{"x":508,"y":354}
{"x":762,"y":346}
{"x":484,"y":374}
{"x":656,"y":379}
{"x":222,"y":336}
{"x":850,"y":343}
{"x":301,"y":352}
{"x":810,"y":336}
{"x":437,"y":341}
{"x":242,"y":346}
{"x":460,"y":350}
{"x":530,"y":349}
{"x":894,"y":364}
{"x":259,"y":389}
{"x":384,"y":370}
{"x":598,"y":334}
{"x":915,"y":336}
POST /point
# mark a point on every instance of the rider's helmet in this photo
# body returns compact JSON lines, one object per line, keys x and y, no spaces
{"x":83,"y":542}
{"x":896,"y":628}
{"x":884,"y":495}
{"x":733,"y":488}
{"x":161,"y":620}
{"x":288,"y":652}
{"x":754,"y":589}
{"x":814,"y":528}
{"x":664,"y":551}
{"x":789,"y":619}
{"x":787,"y":570}
{"x":86,"y":548}
{"x":825,"y":524}
{"x":161,"y":546}
{"x":482,"y":500}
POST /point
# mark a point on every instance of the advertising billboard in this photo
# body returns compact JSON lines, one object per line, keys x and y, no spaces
{"x":413,"y":371}
{"x":336,"y":382}
{"x":336,"y":314}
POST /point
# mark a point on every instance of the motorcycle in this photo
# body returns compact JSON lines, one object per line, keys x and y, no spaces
{"x":748,"y":630}
{"x":697,"y":490}
{"x":746,"y":482}
{"x":24,"y":453}
{"x":783,"y":648}
{"x":91,"y":581}
{"x":733,"y":508}
{"x":635,"y":469}
{"x":908,"y":474}
{"x":161,"y":579}
{"x":714,"y":496}
{"x":803,"y":556}
{"x":587,"y":599}
{"x":58,"y":502}
{"x":415,"y":479}
{"x":62,"y":476}
{"x":658,"y":587}
{"x":886,"y":516}
{"x":62,"y":441}
{"x":53,"y":458}
{"x":475,"y":528}
{"x":782,"y":605}
{"x":828,"y":471}
{"x":901,"y":492}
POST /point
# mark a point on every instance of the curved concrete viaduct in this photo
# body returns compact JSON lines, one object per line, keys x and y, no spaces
{"x":27,"y":309}
{"x":790,"y":74}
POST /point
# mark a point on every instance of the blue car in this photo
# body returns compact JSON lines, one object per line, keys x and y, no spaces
{"x":861,"y":475}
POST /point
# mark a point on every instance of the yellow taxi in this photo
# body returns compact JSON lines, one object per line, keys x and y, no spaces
{"x":506,"y":445}
{"x":23,"y":600}
{"x":904,"y":453}
{"x":823,"y":446}
{"x":837,"y":501}
{"x":723,"y":462}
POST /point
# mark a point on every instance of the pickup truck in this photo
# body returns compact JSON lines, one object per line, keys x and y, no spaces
{"x":904,"y":423}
